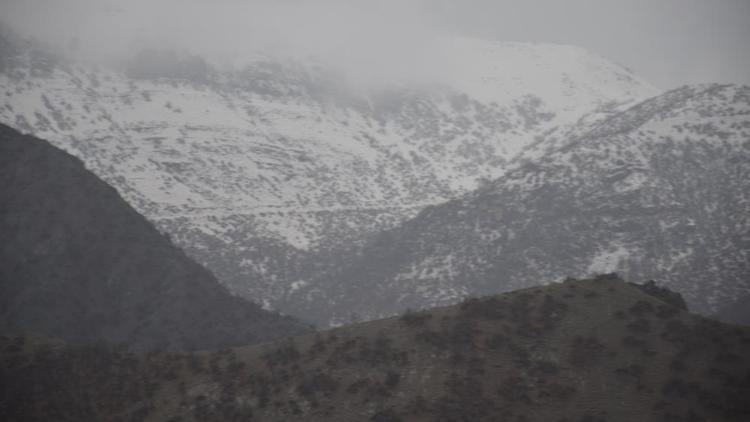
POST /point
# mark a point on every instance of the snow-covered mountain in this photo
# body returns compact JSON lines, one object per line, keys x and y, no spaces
{"x":250,"y":170}
{"x":660,"y":191}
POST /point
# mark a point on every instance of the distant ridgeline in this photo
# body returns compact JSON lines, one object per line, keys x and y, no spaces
{"x":591,"y":350}
{"x":271,"y":173}
{"x":78,"y":263}
{"x":673,"y":298}
{"x":660,"y":191}
{"x":334,"y":205}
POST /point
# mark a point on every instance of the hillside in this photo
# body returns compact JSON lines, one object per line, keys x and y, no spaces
{"x":591,"y":350}
{"x":78,"y":263}
{"x":737,"y":312}
{"x":252,"y":170}
{"x":659,"y":191}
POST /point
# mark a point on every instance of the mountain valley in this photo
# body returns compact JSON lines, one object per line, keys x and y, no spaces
{"x":259,"y":171}
{"x":659,"y":191}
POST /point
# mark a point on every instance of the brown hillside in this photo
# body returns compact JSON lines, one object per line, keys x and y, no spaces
{"x":590,"y":350}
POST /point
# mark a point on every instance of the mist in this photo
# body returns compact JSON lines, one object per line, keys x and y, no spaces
{"x":394,"y":41}
{"x":670,"y":43}
{"x":376,"y":210}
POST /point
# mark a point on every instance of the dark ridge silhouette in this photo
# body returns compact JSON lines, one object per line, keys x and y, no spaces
{"x":673,"y":298}
{"x":78,"y":263}
{"x":581,"y":351}
{"x":737,"y":312}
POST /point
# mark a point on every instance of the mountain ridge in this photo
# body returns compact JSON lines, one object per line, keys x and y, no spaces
{"x":77,"y":262}
{"x":657,"y":201}
{"x":280,"y":155}
{"x":596,"y":349}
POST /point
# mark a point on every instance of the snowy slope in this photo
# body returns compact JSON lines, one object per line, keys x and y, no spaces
{"x":659,"y":191}
{"x":281,"y":154}
{"x":568,"y":78}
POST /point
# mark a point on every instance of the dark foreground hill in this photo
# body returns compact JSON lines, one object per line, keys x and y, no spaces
{"x":737,"y":312}
{"x":78,"y":263}
{"x":583,"y":351}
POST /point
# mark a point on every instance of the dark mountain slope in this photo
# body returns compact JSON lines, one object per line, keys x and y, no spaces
{"x":737,"y":312}
{"x":77,"y":262}
{"x":660,"y":191}
{"x":593,"y":350}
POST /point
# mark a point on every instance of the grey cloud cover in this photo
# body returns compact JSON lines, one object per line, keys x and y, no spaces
{"x":669,"y":42}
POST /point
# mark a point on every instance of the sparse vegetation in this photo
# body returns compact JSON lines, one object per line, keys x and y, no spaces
{"x":471,"y":362}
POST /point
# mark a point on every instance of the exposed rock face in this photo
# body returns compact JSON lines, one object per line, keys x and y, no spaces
{"x":657,"y":192}
{"x":78,"y":263}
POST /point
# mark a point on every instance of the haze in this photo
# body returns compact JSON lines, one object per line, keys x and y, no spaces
{"x":668,"y":42}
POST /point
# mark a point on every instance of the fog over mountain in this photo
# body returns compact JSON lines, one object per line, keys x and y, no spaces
{"x":182,"y":181}
{"x":671,"y":43}
{"x":373,"y":42}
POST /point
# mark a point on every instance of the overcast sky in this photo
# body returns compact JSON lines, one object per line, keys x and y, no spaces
{"x":668,"y":42}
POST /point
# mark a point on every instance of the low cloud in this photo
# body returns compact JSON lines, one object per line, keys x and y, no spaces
{"x":393,"y":40}
{"x":669,"y":42}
